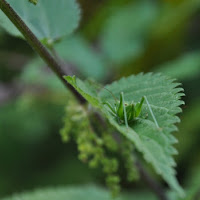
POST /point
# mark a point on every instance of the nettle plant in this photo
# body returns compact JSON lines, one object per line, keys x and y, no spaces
{"x":132,"y":118}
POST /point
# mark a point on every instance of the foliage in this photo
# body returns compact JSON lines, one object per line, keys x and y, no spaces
{"x":116,"y":39}
{"x":155,"y":143}
{"x":88,"y":63}
{"x":185,"y":67}
{"x":98,"y":147}
{"x":44,"y":20}
{"x":76,"y":193}
{"x":130,"y":37}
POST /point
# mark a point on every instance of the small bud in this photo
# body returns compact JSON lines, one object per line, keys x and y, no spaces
{"x":33,"y":1}
{"x":94,"y":163}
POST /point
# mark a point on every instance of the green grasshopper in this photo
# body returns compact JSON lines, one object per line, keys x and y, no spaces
{"x":128,"y":112}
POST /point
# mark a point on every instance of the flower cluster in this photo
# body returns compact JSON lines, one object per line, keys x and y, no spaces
{"x":98,"y":149}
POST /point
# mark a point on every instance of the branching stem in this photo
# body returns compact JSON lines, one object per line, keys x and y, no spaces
{"x":37,"y":46}
{"x":56,"y":67}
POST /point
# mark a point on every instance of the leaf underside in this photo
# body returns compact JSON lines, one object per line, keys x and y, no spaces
{"x":163,"y":94}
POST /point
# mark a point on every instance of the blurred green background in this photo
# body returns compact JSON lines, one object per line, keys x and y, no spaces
{"x":115,"y":38}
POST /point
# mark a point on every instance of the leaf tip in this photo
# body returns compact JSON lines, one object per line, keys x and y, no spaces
{"x":70,"y":79}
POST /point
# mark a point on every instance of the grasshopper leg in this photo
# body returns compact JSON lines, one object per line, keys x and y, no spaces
{"x":153,"y":116}
{"x":125,"y":114}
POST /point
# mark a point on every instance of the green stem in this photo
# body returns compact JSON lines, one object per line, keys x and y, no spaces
{"x":37,"y":46}
{"x":55,"y":66}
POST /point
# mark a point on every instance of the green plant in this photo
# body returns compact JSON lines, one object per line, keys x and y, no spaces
{"x":125,"y":112}
{"x":106,"y":131}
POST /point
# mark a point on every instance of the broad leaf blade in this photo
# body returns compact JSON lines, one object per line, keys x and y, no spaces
{"x":154,"y":143}
{"x":88,"y":62}
{"x":128,"y":28}
{"x":49,"y":20}
{"x":185,"y":67}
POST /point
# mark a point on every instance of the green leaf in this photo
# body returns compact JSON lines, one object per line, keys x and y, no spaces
{"x":78,"y":193}
{"x":154,"y":143}
{"x":185,"y":67}
{"x":88,"y":62}
{"x":49,"y":20}
{"x":85,"y":89}
{"x":125,"y":32}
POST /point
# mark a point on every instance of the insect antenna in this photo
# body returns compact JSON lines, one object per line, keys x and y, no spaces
{"x":114,"y":97}
{"x":99,"y":86}
{"x":154,"y":118}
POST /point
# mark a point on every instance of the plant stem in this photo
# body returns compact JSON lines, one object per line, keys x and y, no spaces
{"x":56,"y":67}
{"x":37,"y":46}
{"x":144,"y":174}
{"x":153,"y":185}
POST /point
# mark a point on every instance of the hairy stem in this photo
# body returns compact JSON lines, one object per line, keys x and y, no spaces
{"x":56,"y":67}
{"x":37,"y":46}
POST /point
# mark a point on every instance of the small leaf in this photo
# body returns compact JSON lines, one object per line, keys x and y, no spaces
{"x":85,"y":89}
{"x":185,"y":67}
{"x":49,"y":20}
{"x":127,"y":28}
{"x":163,"y":95}
{"x":88,"y":62}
